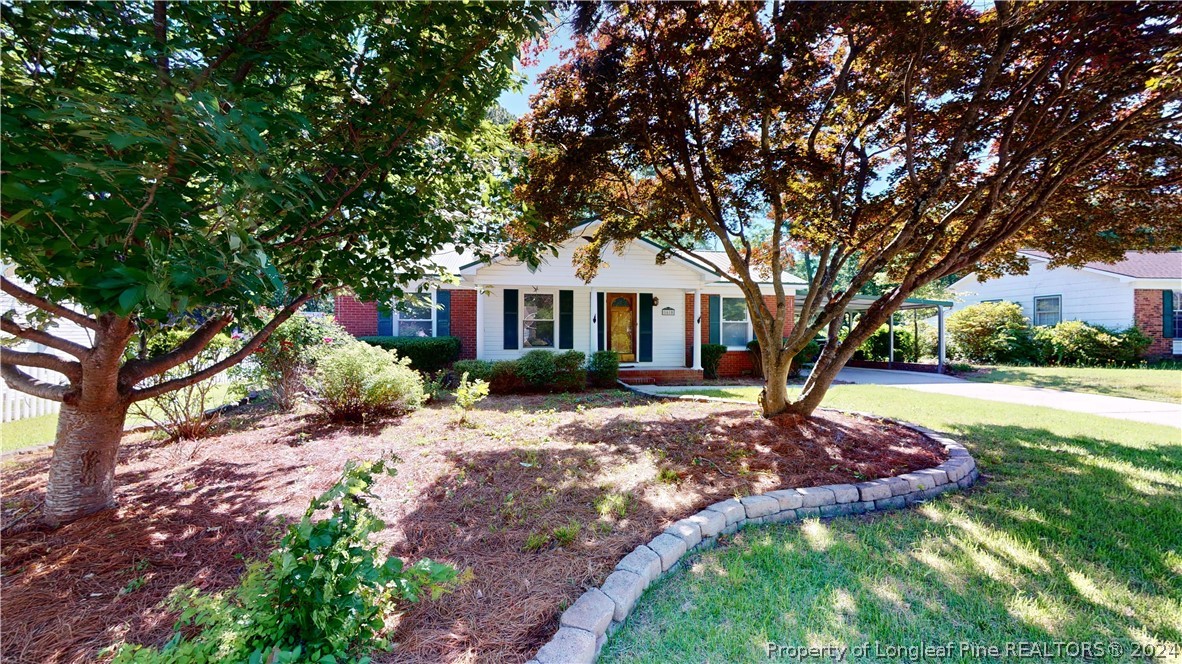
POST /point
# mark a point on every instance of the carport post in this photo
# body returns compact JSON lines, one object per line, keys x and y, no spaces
{"x":891,"y":336}
{"x":939,"y":339}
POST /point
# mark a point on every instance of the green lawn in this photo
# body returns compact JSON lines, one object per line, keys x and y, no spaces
{"x":40,"y":430}
{"x":1074,"y":535}
{"x":27,"y":432}
{"x":1152,"y":384}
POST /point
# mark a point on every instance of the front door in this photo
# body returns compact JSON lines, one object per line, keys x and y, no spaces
{"x":621,"y":325}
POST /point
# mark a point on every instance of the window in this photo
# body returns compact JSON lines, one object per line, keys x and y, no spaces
{"x":538,"y":322}
{"x":1177,"y":313}
{"x":1048,"y":310}
{"x":415,"y":318}
{"x":735,"y":329}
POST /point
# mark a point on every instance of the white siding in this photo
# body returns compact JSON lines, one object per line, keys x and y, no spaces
{"x":635,"y":268}
{"x":668,"y":331}
{"x":1086,"y":296}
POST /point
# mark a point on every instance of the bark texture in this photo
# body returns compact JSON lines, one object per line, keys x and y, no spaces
{"x":82,"y":471}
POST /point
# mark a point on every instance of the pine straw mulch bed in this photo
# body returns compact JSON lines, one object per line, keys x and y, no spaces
{"x":617,"y":467}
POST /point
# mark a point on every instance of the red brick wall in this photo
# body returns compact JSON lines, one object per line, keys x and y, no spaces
{"x":359,"y":318}
{"x":734,"y":363}
{"x":1147,"y":315}
{"x":463,"y":321}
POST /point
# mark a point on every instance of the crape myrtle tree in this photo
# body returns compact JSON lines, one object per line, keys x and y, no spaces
{"x":906,"y":140}
{"x":217,"y":165}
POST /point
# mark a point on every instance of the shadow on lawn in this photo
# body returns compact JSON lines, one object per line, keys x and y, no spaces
{"x":195,"y":527}
{"x":1072,"y":539}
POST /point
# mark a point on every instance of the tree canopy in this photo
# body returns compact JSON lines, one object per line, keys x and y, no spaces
{"x":912,"y":139}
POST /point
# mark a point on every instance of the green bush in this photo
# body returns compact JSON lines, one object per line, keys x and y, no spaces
{"x":1075,"y":343}
{"x":426,"y":354}
{"x":991,"y":333}
{"x":536,"y":369}
{"x":476,"y":369}
{"x":505,"y":378}
{"x":321,"y":596}
{"x":604,"y":368}
{"x":877,"y":347}
{"x":356,"y":381}
{"x":284,"y":360}
{"x":711,"y":357}
{"x":570,"y":372}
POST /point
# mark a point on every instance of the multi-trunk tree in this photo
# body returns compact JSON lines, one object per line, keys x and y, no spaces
{"x":188,"y":164}
{"x":908,"y":140}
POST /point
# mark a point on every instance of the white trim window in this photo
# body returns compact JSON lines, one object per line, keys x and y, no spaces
{"x":1048,"y":310}
{"x":538,"y":320}
{"x":736,"y":325}
{"x":414,"y":318}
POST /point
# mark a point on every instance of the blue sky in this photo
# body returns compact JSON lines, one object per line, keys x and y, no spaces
{"x":517,"y":103}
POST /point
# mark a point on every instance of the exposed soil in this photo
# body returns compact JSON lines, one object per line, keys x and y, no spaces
{"x":467,"y":495}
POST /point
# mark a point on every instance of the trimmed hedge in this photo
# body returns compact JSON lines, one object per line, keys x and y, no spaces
{"x":604,"y":368}
{"x":711,"y":357}
{"x":536,"y":371}
{"x":427,"y":354}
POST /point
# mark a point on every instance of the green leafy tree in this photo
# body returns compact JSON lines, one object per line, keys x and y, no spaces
{"x":211,"y":158}
{"x":914,"y":140}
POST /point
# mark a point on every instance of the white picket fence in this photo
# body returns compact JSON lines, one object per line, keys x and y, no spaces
{"x":18,"y":405}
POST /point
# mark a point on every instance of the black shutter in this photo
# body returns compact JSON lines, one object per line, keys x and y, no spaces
{"x":566,"y":319}
{"x":715,"y":318}
{"x":599,"y":325}
{"x":511,"y":300}
{"x":1167,"y":315}
{"x":385,"y":320}
{"x":443,"y":313}
{"x":646,"y":327}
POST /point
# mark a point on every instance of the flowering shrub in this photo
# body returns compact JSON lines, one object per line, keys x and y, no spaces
{"x":285,"y":359}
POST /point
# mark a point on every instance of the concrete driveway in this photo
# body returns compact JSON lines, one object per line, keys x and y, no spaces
{"x":1152,"y":412}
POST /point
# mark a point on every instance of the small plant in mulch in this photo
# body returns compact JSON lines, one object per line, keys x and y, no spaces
{"x":615,"y":504}
{"x":668,"y":476}
{"x":566,"y":535}
{"x":468,"y":394}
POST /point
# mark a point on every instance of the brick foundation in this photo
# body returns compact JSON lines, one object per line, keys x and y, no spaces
{"x":1147,"y":315}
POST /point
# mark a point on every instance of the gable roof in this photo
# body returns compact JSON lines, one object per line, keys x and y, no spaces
{"x":720,"y":262}
{"x":1136,"y":264}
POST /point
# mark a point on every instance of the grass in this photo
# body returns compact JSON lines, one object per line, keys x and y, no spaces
{"x":1164,"y":384}
{"x":33,"y":431}
{"x":19,"y":434}
{"x":1076,"y":535}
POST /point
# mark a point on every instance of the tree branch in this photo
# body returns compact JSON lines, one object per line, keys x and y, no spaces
{"x":23,"y":382}
{"x":68,"y":368}
{"x":136,"y":370}
{"x":216,"y":368}
{"x":39,"y":336}
{"x":22,"y":295}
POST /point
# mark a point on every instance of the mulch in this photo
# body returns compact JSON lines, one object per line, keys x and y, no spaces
{"x":466,"y":495}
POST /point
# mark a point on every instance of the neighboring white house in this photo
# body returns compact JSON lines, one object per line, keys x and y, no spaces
{"x":1144,"y":289}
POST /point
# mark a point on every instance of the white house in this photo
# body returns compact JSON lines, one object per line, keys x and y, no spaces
{"x":1144,"y":289}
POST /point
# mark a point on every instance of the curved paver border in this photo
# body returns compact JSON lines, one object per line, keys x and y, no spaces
{"x":583,"y":628}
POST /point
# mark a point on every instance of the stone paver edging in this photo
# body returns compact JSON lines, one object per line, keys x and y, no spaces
{"x":583,"y":628}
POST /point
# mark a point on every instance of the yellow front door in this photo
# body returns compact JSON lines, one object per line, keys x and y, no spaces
{"x":622,"y":325}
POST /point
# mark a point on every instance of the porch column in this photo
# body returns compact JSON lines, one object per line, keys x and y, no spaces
{"x":891,"y":338}
{"x":479,"y":322}
{"x":697,"y":330}
{"x":939,"y":339}
{"x":594,"y":323}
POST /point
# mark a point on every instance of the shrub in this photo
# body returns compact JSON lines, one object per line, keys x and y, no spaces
{"x":604,"y":368}
{"x":282,"y":363}
{"x":322,"y":595}
{"x":991,"y":333}
{"x":426,"y":354}
{"x":468,"y":394}
{"x":181,"y":414}
{"x":877,"y":347}
{"x":711,"y":357}
{"x":536,"y":369}
{"x":504,"y":378}
{"x":476,"y":369}
{"x":570,"y":373}
{"x":1076,"y":343}
{"x":356,"y":381}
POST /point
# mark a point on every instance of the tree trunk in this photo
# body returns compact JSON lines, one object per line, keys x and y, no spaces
{"x":82,"y":471}
{"x":774,"y":397}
